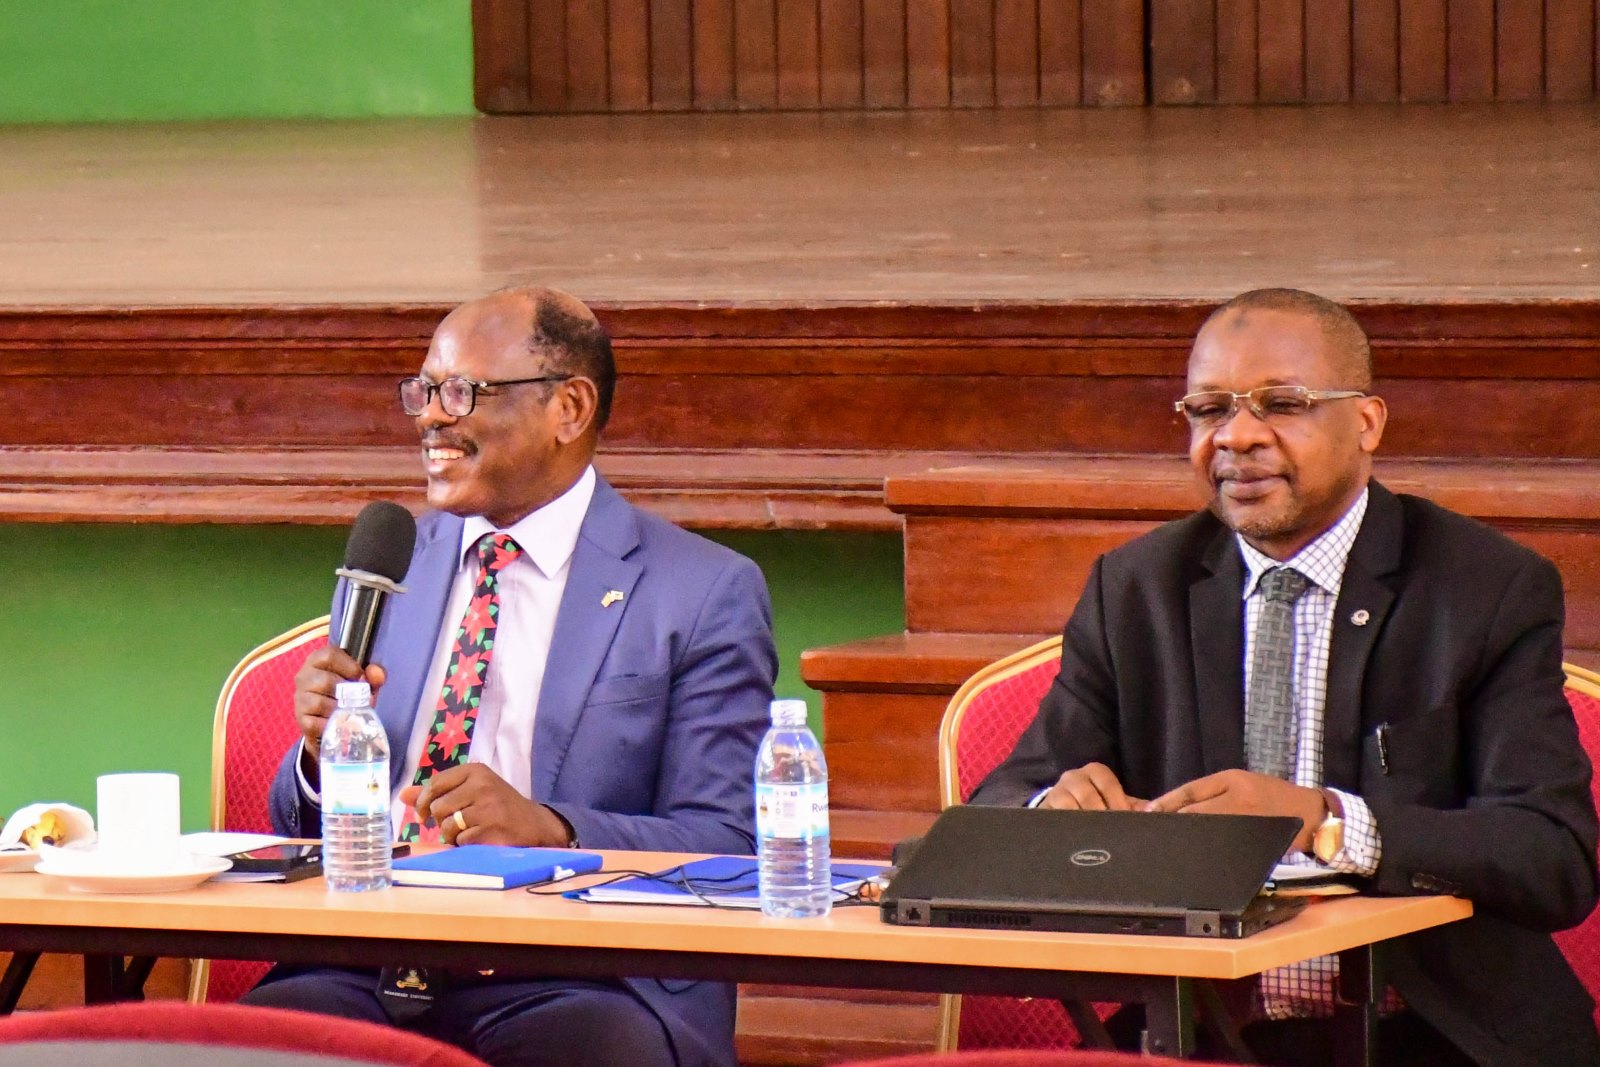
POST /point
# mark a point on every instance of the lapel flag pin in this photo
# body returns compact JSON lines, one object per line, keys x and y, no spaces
{"x":1361,"y":617}
{"x":611,"y":597}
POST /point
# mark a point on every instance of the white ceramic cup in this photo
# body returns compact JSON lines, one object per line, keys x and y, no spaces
{"x":138,"y":822}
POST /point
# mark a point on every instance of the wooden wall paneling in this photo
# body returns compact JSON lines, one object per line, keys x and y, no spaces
{"x":972,"y":48}
{"x":500,"y":56}
{"x":799,"y":67}
{"x":547,"y":55}
{"x":840,"y":53}
{"x":883,"y":53}
{"x":1470,"y":32}
{"x":1236,"y":51}
{"x":628,"y":54}
{"x":1424,"y":38}
{"x":755,"y":29}
{"x":946,"y":591}
{"x":1113,"y":53}
{"x":1328,"y":51}
{"x":928,"y":53}
{"x":1375,"y":51}
{"x":1519,"y":50}
{"x":1016,"y":53}
{"x":713,"y":54}
{"x":1060,"y":53}
{"x":1184,"y":52}
{"x":588,"y":81}
{"x":1569,"y":49}
{"x":1281,"y":43}
{"x":671,"y":55}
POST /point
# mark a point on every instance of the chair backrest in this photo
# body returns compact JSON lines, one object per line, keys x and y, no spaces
{"x":166,"y":1033}
{"x":254,"y":726}
{"x":1581,"y":944}
{"x":980,"y":727}
{"x":988,"y":714}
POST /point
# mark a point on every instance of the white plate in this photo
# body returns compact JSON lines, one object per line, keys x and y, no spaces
{"x":13,"y":861}
{"x":87,"y":879}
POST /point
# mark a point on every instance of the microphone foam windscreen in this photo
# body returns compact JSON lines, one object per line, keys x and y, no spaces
{"x":381,"y":540}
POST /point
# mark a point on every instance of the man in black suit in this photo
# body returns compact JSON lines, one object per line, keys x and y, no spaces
{"x":1388,"y":671}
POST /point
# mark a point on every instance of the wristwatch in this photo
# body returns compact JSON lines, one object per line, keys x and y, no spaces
{"x":1327,"y":840}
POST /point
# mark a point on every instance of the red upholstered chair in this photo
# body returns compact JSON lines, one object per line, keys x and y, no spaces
{"x":982,"y":723}
{"x":1582,"y":943}
{"x":171,"y":1033}
{"x":253,"y":728}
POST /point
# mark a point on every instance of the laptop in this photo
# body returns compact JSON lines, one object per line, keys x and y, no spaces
{"x":1103,"y":872}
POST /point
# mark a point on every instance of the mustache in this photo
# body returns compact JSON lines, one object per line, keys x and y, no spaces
{"x":1234,"y":472}
{"x":446,"y":440}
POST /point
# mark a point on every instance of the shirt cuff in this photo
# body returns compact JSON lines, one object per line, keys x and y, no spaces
{"x":314,"y":796}
{"x":1038,"y":798}
{"x":1363,"y":847}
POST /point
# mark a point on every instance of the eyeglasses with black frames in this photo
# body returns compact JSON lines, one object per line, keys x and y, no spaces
{"x":458,"y":396}
{"x":1271,"y":404}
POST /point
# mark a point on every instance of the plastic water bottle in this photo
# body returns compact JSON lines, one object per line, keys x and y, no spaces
{"x":355,"y":794}
{"x":792,"y":818}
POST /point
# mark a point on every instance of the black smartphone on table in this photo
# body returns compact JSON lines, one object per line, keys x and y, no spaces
{"x":288,"y":862}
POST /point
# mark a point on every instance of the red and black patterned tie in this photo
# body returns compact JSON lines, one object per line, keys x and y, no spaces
{"x":450,"y":733}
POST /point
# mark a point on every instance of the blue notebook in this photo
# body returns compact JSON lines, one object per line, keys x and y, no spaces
{"x":492,"y":867}
{"x":724,"y":881}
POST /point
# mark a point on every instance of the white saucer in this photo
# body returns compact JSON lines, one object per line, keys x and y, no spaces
{"x":18,"y":860}
{"x":91,"y":877}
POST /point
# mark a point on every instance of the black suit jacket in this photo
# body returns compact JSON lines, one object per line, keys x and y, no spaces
{"x":1482,"y":790}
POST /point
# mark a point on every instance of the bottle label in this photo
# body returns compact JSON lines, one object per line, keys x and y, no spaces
{"x":792,"y":811}
{"x":355,"y":788}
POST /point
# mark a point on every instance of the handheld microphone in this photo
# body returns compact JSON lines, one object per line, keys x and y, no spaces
{"x":376,"y":557}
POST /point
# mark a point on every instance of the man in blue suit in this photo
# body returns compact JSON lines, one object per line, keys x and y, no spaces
{"x":631,"y":672}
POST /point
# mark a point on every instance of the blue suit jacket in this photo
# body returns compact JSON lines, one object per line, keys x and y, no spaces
{"x":649,"y":715}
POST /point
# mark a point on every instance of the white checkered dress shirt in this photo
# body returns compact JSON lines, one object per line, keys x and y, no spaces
{"x":1307,"y":989}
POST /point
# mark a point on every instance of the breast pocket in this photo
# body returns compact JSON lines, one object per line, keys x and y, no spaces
{"x":1417,"y":755}
{"x":629,"y":689}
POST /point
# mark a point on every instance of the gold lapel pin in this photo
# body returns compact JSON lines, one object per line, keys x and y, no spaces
{"x":611,"y":597}
{"x":1360,"y":618}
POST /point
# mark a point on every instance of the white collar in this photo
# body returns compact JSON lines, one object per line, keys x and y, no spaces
{"x":1322,"y":561}
{"x":548,"y":535}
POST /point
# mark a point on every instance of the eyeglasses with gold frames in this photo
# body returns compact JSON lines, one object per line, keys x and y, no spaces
{"x":1271,"y":403}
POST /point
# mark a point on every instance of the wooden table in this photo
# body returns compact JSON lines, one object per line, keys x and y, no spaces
{"x":548,"y":935}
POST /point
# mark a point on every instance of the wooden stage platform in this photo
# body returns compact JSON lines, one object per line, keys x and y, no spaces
{"x":204,"y":324}
{"x":1475,"y":203}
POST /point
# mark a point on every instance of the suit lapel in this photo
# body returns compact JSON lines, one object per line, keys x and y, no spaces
{"x":1216,"y":631}
{"x":411,"y":627}
{"x":586,"y":623}
{"x":1364,"y":602}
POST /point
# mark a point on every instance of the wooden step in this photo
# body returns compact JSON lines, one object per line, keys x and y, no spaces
{"x":791,"y":1026}
{"x":864,"y":833}
{"x":1007,"y":548}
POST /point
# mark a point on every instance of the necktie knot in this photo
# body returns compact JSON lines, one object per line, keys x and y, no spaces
{"x":1284,"y":585}
{"x":496,"y":550}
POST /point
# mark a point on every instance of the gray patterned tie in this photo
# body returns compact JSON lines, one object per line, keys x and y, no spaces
{"x":1269,"y":718}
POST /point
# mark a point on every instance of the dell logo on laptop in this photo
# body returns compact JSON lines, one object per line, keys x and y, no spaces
{"x":1090,"y":857}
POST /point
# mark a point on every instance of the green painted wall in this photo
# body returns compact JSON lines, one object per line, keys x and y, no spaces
{"x":136,"y":60}
{"x":114,"y":640}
